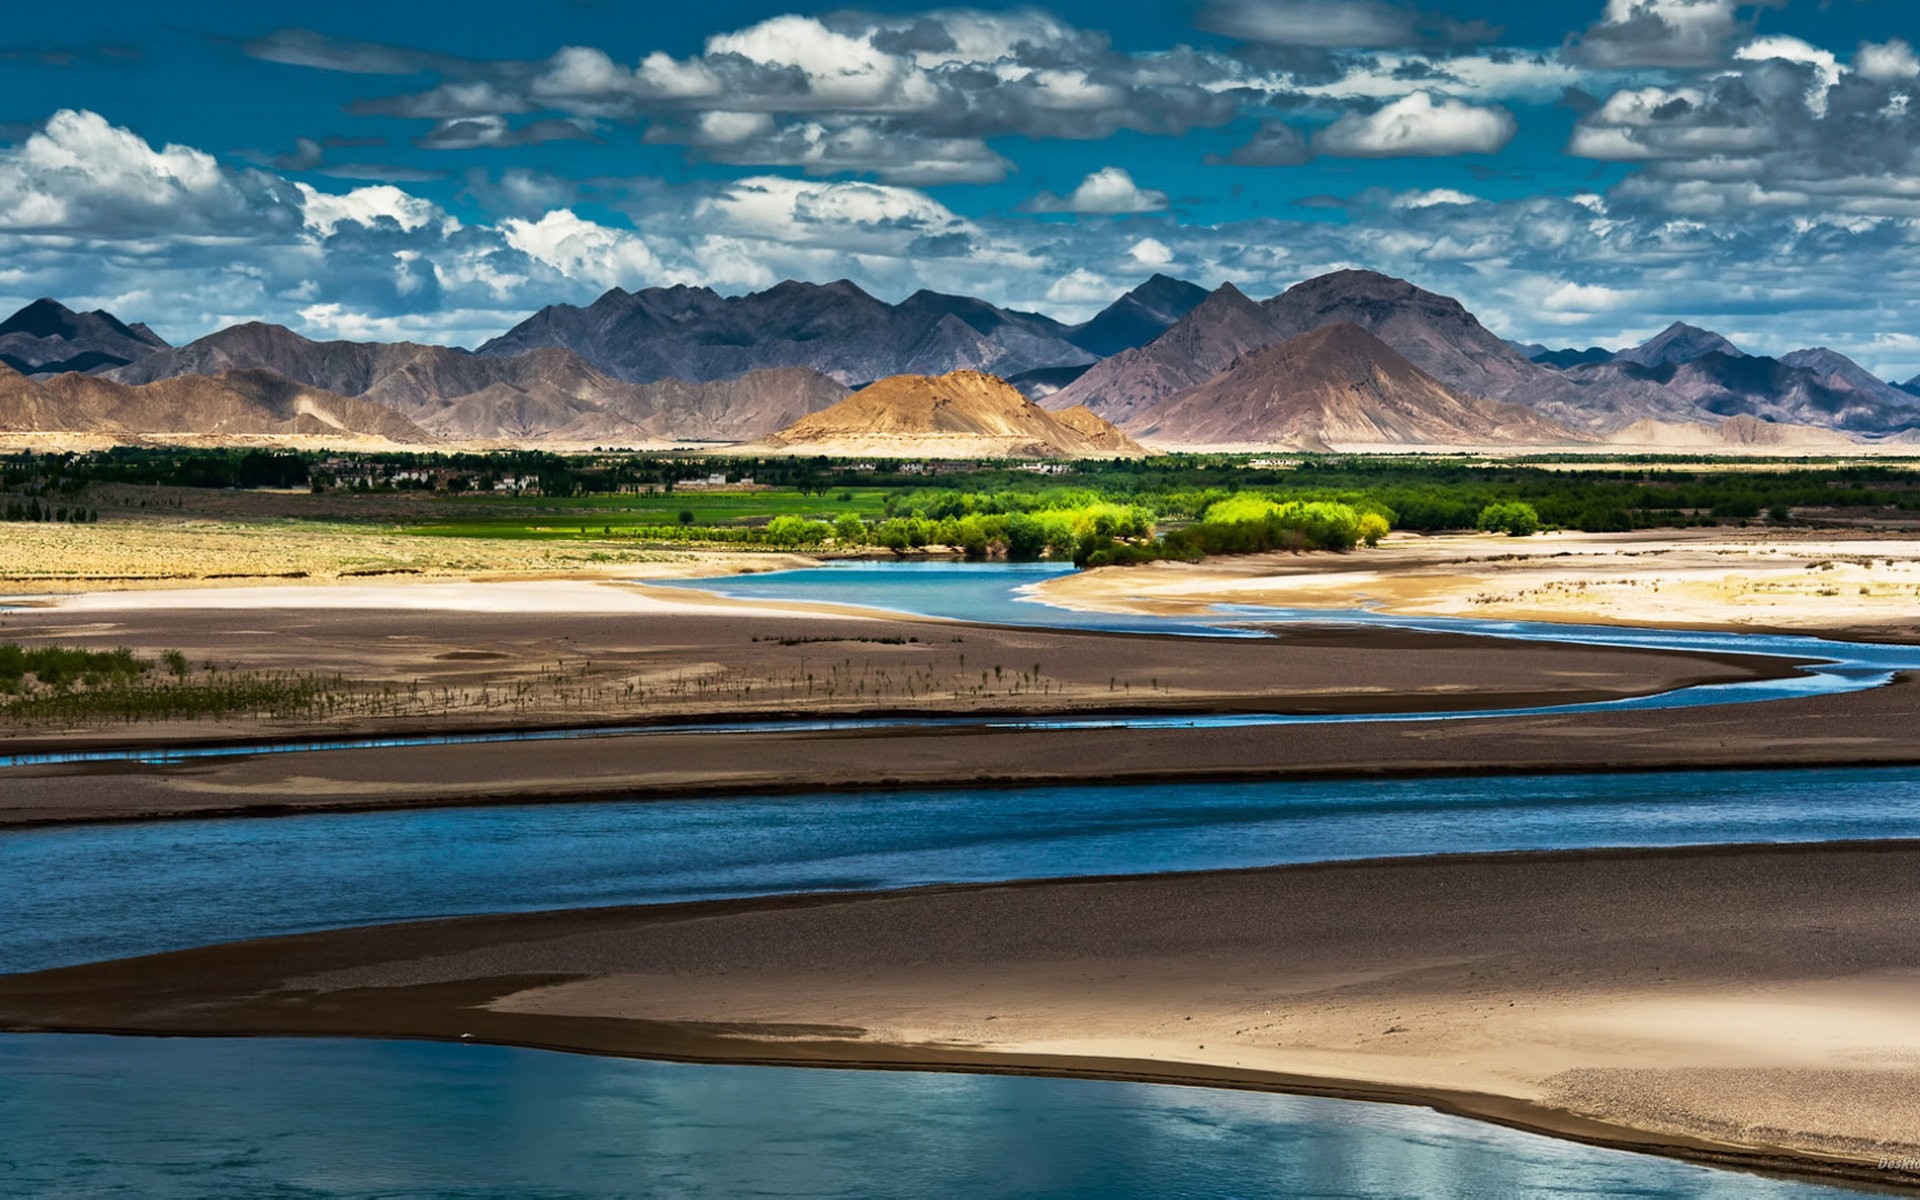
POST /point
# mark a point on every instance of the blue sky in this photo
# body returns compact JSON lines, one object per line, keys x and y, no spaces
{"x":1577,"y":173}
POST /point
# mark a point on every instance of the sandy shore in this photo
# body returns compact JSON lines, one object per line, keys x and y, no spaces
{"x":467,"y":657}
{"x":1866,"y":588}
{"x":1755,"y":1007}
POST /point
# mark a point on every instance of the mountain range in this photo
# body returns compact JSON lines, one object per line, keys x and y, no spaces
{"x":1682,"y":377}
{"x":546,"y":394}
{"x":837,"y":329}
{"x":1168,"y":362}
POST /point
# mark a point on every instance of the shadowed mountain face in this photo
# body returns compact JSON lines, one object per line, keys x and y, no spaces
{"x":1338,"y":385}
{"x":1562,"y":359}
{"x":964,"y":414}
{"x":1139,"y":316}
{"x":1777,"y":390}
{"x":548,"y":394}
{"x":47,"y":338}
{"x":836,"y":329}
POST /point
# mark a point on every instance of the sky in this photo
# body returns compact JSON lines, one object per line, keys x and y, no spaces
{"x":1577,"y":173}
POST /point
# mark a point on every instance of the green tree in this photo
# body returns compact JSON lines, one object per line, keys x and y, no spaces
{"x":1514,"y":518}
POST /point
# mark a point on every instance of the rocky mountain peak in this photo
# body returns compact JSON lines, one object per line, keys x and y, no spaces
{"x":1678,"y":343}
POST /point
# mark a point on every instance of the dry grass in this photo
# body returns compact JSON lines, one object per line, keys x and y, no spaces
{"x":117,"y":554}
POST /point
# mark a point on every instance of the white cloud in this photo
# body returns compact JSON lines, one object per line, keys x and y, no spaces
{"x":1418,"y":126}
{"x":1433,"y":197}
{"x":1081,"y":289}
{"x":839,"y":69}
{"x":1890,"y":60}
{"x":78,"y":173}
{"x":1109,"y":191}
{"x":722,"y":128}
{"x":1534,"y":77}
{"x":1150,"y":252}
{"x":1585,"y":298}
{"x":864,"y":217}
{"x":324,"y":212}
{"x":580,"y":249}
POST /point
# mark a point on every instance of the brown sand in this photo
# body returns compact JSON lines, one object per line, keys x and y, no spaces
{"x":1866,"y":585}
{"x":1752,"y":1006}
{"x":540,"y":655}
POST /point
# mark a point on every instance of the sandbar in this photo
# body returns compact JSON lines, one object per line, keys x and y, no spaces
{"x":1755,"y":1007}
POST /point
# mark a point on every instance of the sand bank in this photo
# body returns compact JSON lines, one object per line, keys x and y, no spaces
{"x":1754,"y":1006}
{"x":492,"y":657}
{"x":1812,"y":582}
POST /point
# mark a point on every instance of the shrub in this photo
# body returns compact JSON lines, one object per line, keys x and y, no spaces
{"x":1513,"y":518}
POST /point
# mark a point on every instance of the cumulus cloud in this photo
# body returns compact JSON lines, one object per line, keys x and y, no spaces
{"x":1109,"y":191}
{"x":1151,"y":252}
{"x":1662,"y":33}
{"x":1786,"y":129}
{"x":80,"y":174}
{"x":1891,"y":60}
{"x":1337,"y":24}
{"x":324,"y":212}
{"x":583,"y":250}
{"x":1418,"y":125}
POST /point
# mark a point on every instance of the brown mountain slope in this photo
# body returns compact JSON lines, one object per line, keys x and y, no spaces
{"x":965,"y":414}
{"x":1338,"y":385}
{"x":747,"y":408}
{"x":233,"y":404}
{"x":24,"y":407}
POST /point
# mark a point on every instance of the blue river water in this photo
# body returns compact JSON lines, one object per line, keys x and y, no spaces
{"x":85,"y":1116}
{"x":90,"y":1117}
{"x":83,"y":893}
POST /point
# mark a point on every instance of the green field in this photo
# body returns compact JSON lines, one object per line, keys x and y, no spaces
{"x":554,"y":518}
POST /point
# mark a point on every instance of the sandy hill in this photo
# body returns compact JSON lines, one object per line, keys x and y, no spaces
{"x":229,"y":405}
{"x":965,"y":414}
{"x":1741,"y":432}
{"x":1338,"y":385}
